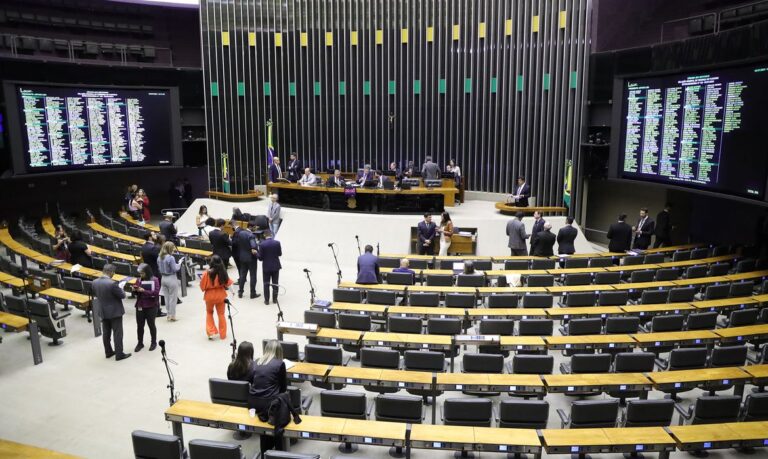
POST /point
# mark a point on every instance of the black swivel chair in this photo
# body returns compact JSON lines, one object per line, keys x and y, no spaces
{"x":523,"y":414}
{"x":622,"y":325}
{"x":517,"y":265}
{"x":631,"y":260}
{"x":323,"y":319}
{"x":640,"y":276}
{"x":755,"y":407}
{"x":744,"y":288}
{"x":667,"y":274}
{"x":653,"y":258}
{"x":576,"y":263}
{"x":607,"y":278}
{"x":681,"y":255}
{"x":742,"y":317}
{"x":587,"y":363}
{"x":448,"y":326}
{"x":348,"y":405}
{"x":649,"y":413}
{"x":572,"y":299}
{"x":695,"y":272}
{"x":702,"y":321}
{"x":380,"y":358}
{"x":210,"y":449}
{"x":601,"y":262}
{"x":682,"y":294}
{"x":399,"y":408}
{"x":400,"y":279}
{"x":535,"y":327}
{"x":540,"y":280}
{"x":718,"y":269}
{"x":537,"y":300}
{"x":473,"y":412}
{"x":710,"y":409}
{"x":617,"y":298}
{"x":590,"y":414}
{"x":470,"y":280}
{"x":715,"y":292}
{"x":424,"y":361}
{"x":654,"y":296}
{"x":726,"y":356}
{"x":358,"y":322}
{"x":346,"y":295}
{"x":502,"y":327}
{"x":404,"y":324}
{"x":381,"y":297}
{"x":226,"y":392}
{"x":532,"y":364}
{"x":328,"y":355}
{"x":460,"y":300}
{"x":148,"y":445}
{"x":503,"y":301}
{"x":440,"y":280}
{"x":543,"y":263}
{"x":424,"y":299}
{"x":683,"y":359}
{"x":632,"y":362}
{"x":577,"y":279}
{"x":50,"y":322}
{"x":482,"y":363}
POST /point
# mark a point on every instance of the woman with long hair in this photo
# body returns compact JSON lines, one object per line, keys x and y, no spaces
{"x":240,"y":368}
{"x":200,"y":218}
{"x":147,"y":304}
{"x":60,"y":250}
{"x":446,"y":231}
{"x":79,"y":253}
{"x":169,"y":283}
{"x":214,"y":284}
{"x":145,"y":211}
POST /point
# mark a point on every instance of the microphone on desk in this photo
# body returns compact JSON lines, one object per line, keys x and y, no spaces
{"x":162,"y":346}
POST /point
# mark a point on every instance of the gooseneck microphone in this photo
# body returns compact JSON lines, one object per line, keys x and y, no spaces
{"x":307,"y":271}
{"x":330,"y":244}
{"x":162,"y":345}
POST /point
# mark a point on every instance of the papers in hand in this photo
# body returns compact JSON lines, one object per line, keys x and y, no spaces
{"x":288,"y":363}
{"x":122,"y":283}
{"x":75,"y":268}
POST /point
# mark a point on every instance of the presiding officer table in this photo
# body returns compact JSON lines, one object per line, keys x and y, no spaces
{"x":364,"y":199}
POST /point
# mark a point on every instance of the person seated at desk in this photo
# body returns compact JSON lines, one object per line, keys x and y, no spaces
{"x":275,"y":171}
{"x":521,"y":195}
{"x":469,"y":267}
{"x":365,"y":174}
{"x":455,"y":170}
{"x":430,"y":170}
{"x":368,"y":267}
{"x":79,"y":253}
{"x":408,"y":171}
{"x":396,"y":171}
{"x":545,"y":241}
{"x":380,"y":179}
{"x":308,"y":179}
{"x":404,"y":267}
{"x":336,"y":180}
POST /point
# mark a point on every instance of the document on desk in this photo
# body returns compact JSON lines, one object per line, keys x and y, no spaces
{"x":75,"y":268}
{"x":288,"y":364}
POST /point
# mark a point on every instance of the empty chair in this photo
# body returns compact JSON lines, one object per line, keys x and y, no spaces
{"x":503,"y":301}
{"x":622,"y":325}
{"x":667,"y":274}
{"x":523,"y":414}
{"x":440,"y":280}
{"x":503,"y":327}
{"x":424,"y":299}
{"x":712,"y":409}
{"x":743,"y":288}
{"x":400,"y":278}
{"x":460,"y":300}
{"x":580,"y":299}
{"x":419,"y":263}
{"x":537,"y":300}
{"x":379,"y":358}
{"x":742,"y":317}
{"x":404,"y":324}
{"x":321,"y":318}
{"x":645,"y":275}
{"x":701,"y":252}
{"x":576,"y":263}
{"x":654,"y":296}
{"x":681,"y":255}
{"x":728,"y":356}
{"x":349,"y":321}
{"x":649,"y":413}
{"x":482,"y":363}
{"x":588,"y":363}
{"x":744,"y":266}
{"x":482,"y":265}
{"x":718,"y":269}
{"x":585,"y":326}
{"x":341,"y":404}
{"x":577,"y":279}
{"x":543,"y":263}
{"x":702,"y":321}
{"x":148,"y":445}
{"x":226,"y":392}
{"x":73,"y":284}
{"x":540,"y":280}
{"x":601,"y":262}
{"x":50,"y":322}
{"x":695,"y":272}
{"x":532,"y":364}
{"x":652,"y":258}
{"x":687,"y":358}
{"x":756,"y":407}
{"x":388,"y":262}
{"x":475,"y":412}
{"x":632,"y":260}
{"x":516,"y":265}
{"x":381,"y":297}
{"x":535,"y":327}
{"x":669,"y":322}
{"x":470,"y":280}
{"x":716,"y":292}
{"x":399,"y":408}
{"x":613,"y":298}
{"x":424,"y":361}
{"x":682,"y":294}
{"x":632,"y":362}
{"x":607,"y":278}
{"x":125,"y":269}
{"x":328,"y":355}
{"x":590,"y":414}
{"x":210,"y":449}
{"x":346,"y":295}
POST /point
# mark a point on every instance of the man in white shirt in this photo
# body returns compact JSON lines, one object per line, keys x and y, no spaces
{"x":521,"y":194}
{"x":308,"y":179}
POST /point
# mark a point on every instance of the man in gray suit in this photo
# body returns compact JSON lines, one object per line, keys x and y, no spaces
{"x":273,"y":214}
{"x":517,"y":236}
{"x":110,"y":296}
{"x":430,"y":170}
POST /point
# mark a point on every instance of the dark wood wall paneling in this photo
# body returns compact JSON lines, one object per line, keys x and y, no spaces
{"x":502,"y":104}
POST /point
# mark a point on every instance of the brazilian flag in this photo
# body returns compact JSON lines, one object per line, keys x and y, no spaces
{"x":224,"y":172}
{"x":270,"y":145}
{"x":567,"y":184}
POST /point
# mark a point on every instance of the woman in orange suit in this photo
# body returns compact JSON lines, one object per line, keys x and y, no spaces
{"x":214,"y":284}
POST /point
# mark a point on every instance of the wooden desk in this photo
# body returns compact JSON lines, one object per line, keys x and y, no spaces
{"x":11,"y":281}
{"x":407,"y":340}
{"x":650,"y":310}
{"x":507,"y":313}
{"x":50,"y":230}
{"x":507,"y":209}
{"x":603,"y":382}
{"x":197,"y":253}
{"x":522,"y":343}
{"x":675,"y":338}
{"x":759,"y":374}
{"x":303,"y":371}
{"x":590,"y":342}
{"x":146,"y":225}
{"x":338,"y":336}
{"x":704,"y":377}
{"x":700,"y":281}
{"x":613,"y":440}
{"x":235,"y":197}
{"x":373,"y":309}
{"x":575,"y":441}
{"x":373,"y":432}
{"x":674,"y":248}
{"x":12,"y":322}
{"x":725,"y":305}
{"x":741,"y":334}
{"x":426,"y":312}
{"x":67,"y":298}
{"x":289,"y":193}
{"x":574,"y":312}
{"x":442,"y":437}
{"x":751,"y":275}
{"x":11,"y":449}
{"x":720,"y":436}
{"x":503,"y":440}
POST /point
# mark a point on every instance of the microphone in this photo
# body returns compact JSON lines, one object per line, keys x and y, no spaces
{"x":162,"y":345}
{"x":357,"y":237}
{"x":330,"y":244}
{"x":228,"y":302}
{"x":307,"y":271}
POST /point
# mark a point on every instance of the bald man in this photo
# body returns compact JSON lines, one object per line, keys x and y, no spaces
{"x":545,"y":242}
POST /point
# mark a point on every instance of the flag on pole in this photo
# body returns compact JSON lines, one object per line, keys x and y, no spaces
{"x":568,"y":182}
{"x":224,"y":172}
{"x":270,"y":145}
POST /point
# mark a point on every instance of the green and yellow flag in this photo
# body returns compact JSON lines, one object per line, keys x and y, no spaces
{"x":568,"y":182}
{"x":224,"y":172}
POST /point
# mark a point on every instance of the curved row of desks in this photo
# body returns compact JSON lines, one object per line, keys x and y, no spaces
{"x":97,"y":227}
{"x":50,"y":230}
{"x":487,"y":439}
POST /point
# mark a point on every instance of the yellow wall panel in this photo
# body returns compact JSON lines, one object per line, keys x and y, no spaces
{"x":278,"y":39}
{"x":456,"y":31}
{"x":353,"y":38}
{"x":304,"y":39}
{"x":328,"y":38}
{"x":224,"y":38}
{"x":379,"y":37}
{"x":508,"y":27}
{"x":535,"y":24}
{"x":481,"y":30}
{"x":563,"y":19}
{"x":430,"y":34}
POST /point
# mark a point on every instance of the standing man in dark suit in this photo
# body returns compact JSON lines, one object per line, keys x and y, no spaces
{"x":247,"y":256}
{"x":236,"y":246}
{"x":430,"y":170}
{"x":222,"y":245}
{"x":620,"y":235}
{"x":644,"y":229}
{"x":368,"y":267}
{"x":545,"y":241}
{"x":275,"y":171}
{"x":538,"y":226}
{"x":168,"y":229}
{"x":522,"y":192}
{"x":270,"y":252}
{"x":663,"y":230}
{"x":566,"y":237}
{"x":150,"y":250}
{"x":110,"y":296}
{"x":426,"y":235}
{"x":295,"y":168}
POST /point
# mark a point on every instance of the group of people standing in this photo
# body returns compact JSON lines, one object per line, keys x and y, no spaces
{"x":542,"y":240}
{"x":623,"y":237}
{"x":137,"y":203}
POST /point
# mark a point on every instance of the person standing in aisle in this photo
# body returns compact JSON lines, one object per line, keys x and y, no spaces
{"x":446,"y":231}
{"x":214,"y":285}
{"x":110,"y":296}
{"x":247,"y":252}
{"x":147,"y":290}
{"x":273,"y":214}
{"x":270,"y":252}
{"x":169,"y":283}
